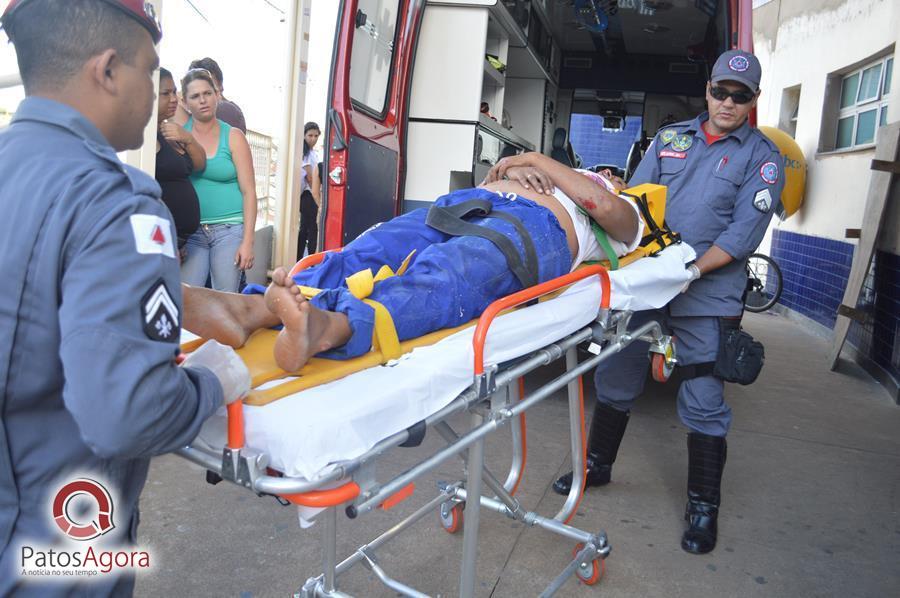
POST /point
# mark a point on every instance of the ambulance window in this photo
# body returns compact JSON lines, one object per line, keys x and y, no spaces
{"x":601,"y":146}
{"x":372,"y":57}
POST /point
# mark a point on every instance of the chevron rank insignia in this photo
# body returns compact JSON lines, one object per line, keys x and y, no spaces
{"x":763,"y":201}
{"x":159,"y":314}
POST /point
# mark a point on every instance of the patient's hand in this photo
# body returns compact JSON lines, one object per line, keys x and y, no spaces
{"x":531,"y":177}
{"x":499,"y":170}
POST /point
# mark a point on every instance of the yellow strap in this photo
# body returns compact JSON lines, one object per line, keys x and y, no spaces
{"x":361,"y":285}
{"x":384,"y":337}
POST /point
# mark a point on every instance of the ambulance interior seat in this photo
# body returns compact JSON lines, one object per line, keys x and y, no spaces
{"x":562,"y":150}
{"x":636,"y":154}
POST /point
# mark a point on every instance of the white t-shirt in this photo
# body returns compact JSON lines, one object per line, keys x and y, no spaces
{"x":588,"y":248}
{"x":311,"y":160}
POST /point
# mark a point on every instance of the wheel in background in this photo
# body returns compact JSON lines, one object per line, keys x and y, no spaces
{"x":764,"y":283}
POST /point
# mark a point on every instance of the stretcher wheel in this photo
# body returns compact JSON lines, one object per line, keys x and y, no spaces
{"x":591,"y":572}
{"x":452,"y":517}
{"x":663,"y":364}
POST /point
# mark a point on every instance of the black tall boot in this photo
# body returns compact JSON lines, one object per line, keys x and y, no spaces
{"x":607,"y":428}
{"x":706,"y":460}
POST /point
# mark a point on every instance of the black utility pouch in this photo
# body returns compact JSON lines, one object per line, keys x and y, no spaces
{"x":740,"y":357}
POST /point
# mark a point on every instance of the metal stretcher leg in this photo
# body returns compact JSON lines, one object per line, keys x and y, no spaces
{"x":576,"y":428}
{"x":515,"y":509}
{"x":330,"y":531}
{"x":473,"y":514}
{"x":517,"y":465}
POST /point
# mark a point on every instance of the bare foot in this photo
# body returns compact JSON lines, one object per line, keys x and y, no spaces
{"x":307,"y":330}
{"x":226,"y":317}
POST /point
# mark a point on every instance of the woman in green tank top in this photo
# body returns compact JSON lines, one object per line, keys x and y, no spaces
{"x":223,"y":245}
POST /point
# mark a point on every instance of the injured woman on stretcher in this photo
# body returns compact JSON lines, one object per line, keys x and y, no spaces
{"x":533,"y":219}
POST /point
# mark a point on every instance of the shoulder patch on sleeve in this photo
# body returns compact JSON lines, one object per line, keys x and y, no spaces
{"x":762,"y":201}
{"x":768,"y":172}
{"x":159,"y":314}
{"x":152,"y":235}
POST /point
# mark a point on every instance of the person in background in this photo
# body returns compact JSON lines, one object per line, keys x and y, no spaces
{"x":311,"y":192}
{"x":226,"y":110}
{"x":89,"y":387}
{"x":223,"y":245}
{"x":178,"y":155}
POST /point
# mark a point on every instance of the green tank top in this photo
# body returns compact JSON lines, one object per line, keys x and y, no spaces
{"x":217,"y":187}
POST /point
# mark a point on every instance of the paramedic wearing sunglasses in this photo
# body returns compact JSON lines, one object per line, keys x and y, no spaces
{"x":89,"y":325}
{"x":724,"y":182}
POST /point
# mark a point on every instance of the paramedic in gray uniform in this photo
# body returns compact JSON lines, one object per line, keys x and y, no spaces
{"x":91,"y":309}
{"x":724,"y":181}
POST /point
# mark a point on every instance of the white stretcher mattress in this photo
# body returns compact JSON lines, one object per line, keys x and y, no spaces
{"x":304,"y":433}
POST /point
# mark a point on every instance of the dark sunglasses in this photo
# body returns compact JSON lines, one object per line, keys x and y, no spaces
{"x":721,"y":94}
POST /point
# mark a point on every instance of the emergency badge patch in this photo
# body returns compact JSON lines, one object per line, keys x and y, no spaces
{"x":667,"y":136}
{"x":682,"y":143}
{"x":159,"y":314}
{"x":762,"y":201}
{"x":739,"y":64}
{"x":768,"y":172}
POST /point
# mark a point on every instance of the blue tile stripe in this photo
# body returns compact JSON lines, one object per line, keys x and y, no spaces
{"x":815,"y":273}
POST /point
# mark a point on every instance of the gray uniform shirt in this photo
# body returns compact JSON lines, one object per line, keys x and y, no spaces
{"x":89,"y":326}
{"x":722,"y":194}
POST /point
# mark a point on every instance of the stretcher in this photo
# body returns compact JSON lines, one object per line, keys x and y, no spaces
{"x":317,"y":447}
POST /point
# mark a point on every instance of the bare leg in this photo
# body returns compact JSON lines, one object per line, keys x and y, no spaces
{"x":226,"y":317}
{"x":307,"y":330}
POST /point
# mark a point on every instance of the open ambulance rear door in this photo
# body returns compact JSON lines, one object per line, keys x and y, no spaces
{"x":364,"y":167}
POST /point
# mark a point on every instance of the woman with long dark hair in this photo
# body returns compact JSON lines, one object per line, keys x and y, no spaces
{"x":310,"y":192}
{"x":178,"y":155}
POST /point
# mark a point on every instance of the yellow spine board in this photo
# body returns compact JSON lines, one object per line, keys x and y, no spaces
{"x":656,"y":202}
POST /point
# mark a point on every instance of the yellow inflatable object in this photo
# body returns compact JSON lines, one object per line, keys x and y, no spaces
{"x":794,"y":170}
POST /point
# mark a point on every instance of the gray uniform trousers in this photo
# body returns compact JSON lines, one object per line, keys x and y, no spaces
{"x":701,"y":404}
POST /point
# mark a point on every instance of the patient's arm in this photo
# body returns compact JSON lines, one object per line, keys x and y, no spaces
{"x":613,"y":213}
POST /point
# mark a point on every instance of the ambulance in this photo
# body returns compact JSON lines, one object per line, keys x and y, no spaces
{"x":425,"y":96}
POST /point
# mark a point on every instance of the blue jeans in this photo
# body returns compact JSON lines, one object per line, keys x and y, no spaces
{"x":701,"y":401}
{"x":450,"y":279}
{"x":210,"y":255}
